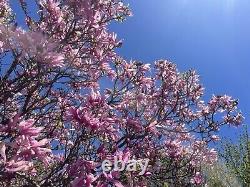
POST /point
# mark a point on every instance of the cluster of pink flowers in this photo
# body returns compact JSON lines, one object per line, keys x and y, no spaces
{"x":30,"y":45}
{"x":156,"y":119}
{"x":81,"y":28}
{"x":68,"y":123}
{"x":25,"y":147}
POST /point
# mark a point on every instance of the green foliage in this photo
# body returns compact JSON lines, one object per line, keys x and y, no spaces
{"x":165,"y":184}
{"x":218,"y":175}
{"x":237,"y":157}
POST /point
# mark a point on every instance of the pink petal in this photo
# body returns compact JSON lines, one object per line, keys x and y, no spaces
{"x":2,"y":150}
{"x":118,"y":184}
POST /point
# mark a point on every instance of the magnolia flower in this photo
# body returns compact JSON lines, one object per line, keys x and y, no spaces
{"x":54,"y":59}
{"x":25,"y":147}
{"x":31,"y":45}
{"x":1,"y":47}
{"x":111,"y":177}
{"x":95,"y":98}
{"x":197,"y":179}
{"x":26,"y":128}
{"x":145,"y":67}
{"x":2,"y":151}
{"x":215,"y":138}
{"x":15,"y":166}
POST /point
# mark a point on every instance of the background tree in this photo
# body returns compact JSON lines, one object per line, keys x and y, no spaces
{"x":218,"y":175}
{"x":237,"y":157}
{"x":58,"y":122}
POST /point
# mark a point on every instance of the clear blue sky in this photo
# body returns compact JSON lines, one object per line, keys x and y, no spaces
{"x":211,"y":36}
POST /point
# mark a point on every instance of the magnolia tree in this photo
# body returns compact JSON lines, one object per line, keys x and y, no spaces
{"x":69,"y":103}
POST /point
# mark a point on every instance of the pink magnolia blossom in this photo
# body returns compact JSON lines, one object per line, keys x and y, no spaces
{"x":2,"y":151}
{"x":15,"y":166}
{"x":197,"y":179}
{"x":25,"y":146}
{"x":26,"y":128}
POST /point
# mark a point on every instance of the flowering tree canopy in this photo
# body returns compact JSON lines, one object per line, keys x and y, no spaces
{"x":58,"y":123}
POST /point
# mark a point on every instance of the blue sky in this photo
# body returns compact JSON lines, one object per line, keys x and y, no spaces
{"x":211,"y":36}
